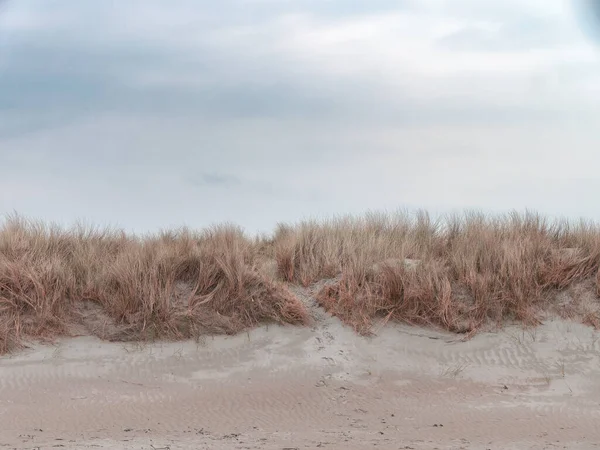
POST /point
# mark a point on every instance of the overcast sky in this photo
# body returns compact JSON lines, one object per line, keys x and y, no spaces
{"x":147,"y":114}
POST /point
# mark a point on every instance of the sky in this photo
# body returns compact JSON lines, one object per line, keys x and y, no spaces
{"x":147,"y":114}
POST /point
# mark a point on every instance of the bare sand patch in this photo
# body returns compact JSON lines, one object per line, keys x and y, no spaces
{"x":282,"y":387}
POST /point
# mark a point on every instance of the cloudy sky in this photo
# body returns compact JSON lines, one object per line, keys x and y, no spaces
{"x":148,"y":114}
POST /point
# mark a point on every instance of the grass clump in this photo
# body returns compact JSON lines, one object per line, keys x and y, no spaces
{"x":175,"y":285}
{"x":459,"y":273}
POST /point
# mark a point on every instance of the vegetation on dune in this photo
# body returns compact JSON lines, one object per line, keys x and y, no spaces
{"x":175,"y":285}
{"x":459,"y":273}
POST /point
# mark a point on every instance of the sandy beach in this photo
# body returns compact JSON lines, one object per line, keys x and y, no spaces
{"x":321,"y":387}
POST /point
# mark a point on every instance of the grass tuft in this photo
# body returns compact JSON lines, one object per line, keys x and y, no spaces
{"x":460,"y":274}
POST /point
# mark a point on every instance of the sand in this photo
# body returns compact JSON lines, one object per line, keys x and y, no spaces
{"x":297,"y":388}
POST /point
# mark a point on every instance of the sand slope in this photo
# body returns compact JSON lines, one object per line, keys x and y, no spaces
{"x":325,"y":387}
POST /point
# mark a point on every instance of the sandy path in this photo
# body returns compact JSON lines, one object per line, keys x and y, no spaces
{"x":286,"y":388}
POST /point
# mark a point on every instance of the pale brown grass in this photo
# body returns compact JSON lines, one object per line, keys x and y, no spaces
{"x":471,"y":270}
{"x":459,"y":273}
{"x":174,"y":285}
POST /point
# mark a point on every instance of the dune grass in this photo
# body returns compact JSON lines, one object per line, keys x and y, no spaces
{"x":460,"y":273}
{"x":173,"y":285}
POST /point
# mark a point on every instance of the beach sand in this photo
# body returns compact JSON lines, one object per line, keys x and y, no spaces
{"x":316,"y":387}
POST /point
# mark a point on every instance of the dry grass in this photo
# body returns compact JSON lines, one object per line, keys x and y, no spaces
{"x":175,"y":285}
{"x":460,"y":274}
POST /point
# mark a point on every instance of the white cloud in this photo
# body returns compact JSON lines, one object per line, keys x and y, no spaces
{"x":297,"y":113}
{"x":400,"y":52}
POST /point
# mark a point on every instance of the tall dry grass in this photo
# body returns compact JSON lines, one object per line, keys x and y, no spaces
{"x":459,"y":273}
{"x":175,"y":285}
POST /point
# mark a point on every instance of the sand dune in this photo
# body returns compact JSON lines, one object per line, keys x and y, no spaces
{"x":321,"y":387}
